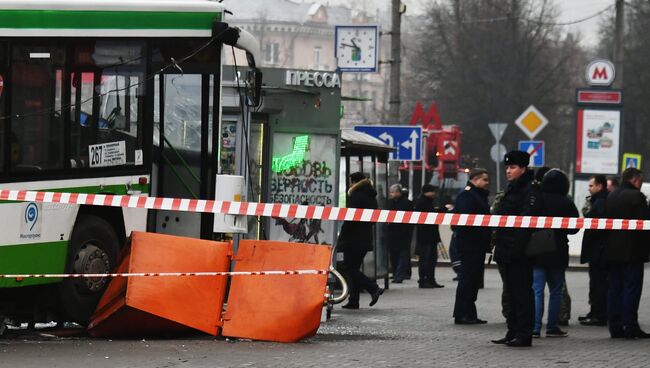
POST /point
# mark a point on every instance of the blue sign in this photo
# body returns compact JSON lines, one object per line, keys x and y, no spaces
{"x":407,"y":140}
{"x":536,"y":151}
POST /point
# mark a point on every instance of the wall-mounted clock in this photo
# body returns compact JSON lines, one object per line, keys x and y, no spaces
{"x":355,"y":48}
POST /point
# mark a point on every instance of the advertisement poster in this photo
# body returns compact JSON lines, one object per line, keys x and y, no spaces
{"x":599,"y":133}
{"x":303,"y":172}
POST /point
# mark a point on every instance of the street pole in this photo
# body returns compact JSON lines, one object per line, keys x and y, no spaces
{"x":618,"y":47}
{"x":497,"y":173}
{"x":395,"y":45}
{"x":424,"y":158}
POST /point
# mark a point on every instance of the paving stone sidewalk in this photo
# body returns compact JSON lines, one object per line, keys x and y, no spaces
{"x":409,"y":327}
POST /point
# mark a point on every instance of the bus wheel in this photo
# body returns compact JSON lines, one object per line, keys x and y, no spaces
{"x":93,"y":248}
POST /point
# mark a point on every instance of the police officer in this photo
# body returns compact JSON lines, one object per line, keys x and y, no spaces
{"x":520,"y":198}
{"x":472,"y":243}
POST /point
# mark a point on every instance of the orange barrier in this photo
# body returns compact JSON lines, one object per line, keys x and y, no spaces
{"x":137,"y":306}
{"x":276,"y":308}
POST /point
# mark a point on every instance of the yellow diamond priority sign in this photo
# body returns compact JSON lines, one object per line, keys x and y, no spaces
{"x":531,"y":122}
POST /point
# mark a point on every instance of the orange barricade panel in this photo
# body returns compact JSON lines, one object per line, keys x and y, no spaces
{"x":284,"y":308}
{"x":158,"y":304}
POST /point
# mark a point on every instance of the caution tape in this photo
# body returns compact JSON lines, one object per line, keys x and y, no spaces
{"x":323,"y":213}
{"x":163,"y":274}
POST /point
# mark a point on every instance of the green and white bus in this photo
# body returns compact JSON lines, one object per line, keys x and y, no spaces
{"x":114,"y":97}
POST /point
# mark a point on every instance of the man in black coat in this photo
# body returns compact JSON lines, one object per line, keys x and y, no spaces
{"x":427,"y":239}
{"x":593,"y":246}
{"x":626,"y":251}
{"x":472,"y":244}
{"x":356,"y":239}
{"x":399,"y":236}
{"x":520,"y":198}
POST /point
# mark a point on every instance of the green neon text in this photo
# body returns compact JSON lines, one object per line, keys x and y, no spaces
{"x":295,"y":158}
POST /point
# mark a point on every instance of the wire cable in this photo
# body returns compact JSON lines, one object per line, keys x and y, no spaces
{"x":173,"y":64}
{"x":552,"y":24}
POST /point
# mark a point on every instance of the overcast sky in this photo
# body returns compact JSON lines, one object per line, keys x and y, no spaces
{"x":570,"y":10}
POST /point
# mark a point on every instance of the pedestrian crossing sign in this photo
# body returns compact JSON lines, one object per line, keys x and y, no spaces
{"x":536,"y":151}
{"x":631,"y":160}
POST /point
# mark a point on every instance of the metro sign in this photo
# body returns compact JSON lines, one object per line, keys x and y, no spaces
{"x":600,"y":72}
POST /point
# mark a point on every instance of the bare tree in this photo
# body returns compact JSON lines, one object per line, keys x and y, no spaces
{"x":486,"y":61}
{"x":636,"y":85}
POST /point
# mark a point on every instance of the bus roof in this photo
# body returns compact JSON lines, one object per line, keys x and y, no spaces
{"x":108,"y":18}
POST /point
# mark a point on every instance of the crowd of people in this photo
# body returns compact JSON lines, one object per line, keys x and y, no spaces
{"x":529,"y":260}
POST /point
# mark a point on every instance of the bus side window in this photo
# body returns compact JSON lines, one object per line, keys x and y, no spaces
{"x":36,"y":102}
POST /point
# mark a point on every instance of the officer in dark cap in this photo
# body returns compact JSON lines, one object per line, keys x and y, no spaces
{"x":520,"y":198}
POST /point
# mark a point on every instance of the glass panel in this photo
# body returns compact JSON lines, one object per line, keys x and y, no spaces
{"x":3,"y":117}
{"x":105,"y":94}
{"x":228,"y":147}
{"x":302,"y":166}
{"x":256,"y":144}
{"x":183,"y":111}
{"x":36,"y":124}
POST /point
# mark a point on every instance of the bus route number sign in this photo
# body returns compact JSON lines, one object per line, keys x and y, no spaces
{"x":107,"y":154}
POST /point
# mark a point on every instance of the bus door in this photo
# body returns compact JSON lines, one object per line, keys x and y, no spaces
{"x":182,"y":121}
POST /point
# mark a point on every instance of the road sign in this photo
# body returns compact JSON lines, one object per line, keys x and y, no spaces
{"x":531,"y":122}
{"x":497,"y":152}
{"x":497,"y":130}
{"x":600,"y":72}
{"x":407,"y":140}
{"x":631,"y":160}
{"x":536,"y":151}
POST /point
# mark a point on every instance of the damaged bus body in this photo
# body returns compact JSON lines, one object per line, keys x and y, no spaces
{"x":92,"y":101}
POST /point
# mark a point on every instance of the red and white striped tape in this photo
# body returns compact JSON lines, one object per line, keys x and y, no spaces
{"x":163,"y":274}
{"x":323,"y":213}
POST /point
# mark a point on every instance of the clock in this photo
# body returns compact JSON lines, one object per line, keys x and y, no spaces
{"x":355,"y":48}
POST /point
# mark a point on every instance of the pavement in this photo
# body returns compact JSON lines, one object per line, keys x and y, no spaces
{"x":409,"y":327}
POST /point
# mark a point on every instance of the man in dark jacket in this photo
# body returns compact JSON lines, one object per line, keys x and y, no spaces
{"x":593,"y":246}
{"x":626,"y":252}
{"x":472,"y":243}
{"x":427,"y":239}
{"x":356,"y":239}
{"x":399,"y":236}
{"x":550,"y":268}
{"x":520,"y":198}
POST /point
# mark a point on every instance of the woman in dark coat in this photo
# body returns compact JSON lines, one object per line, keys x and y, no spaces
{"x":550,"y":268}
{"x":356,"y":239}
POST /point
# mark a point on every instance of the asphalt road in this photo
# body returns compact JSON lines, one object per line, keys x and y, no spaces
{"x":409,"y":327}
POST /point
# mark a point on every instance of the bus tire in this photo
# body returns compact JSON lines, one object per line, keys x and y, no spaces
{"x":93,"y":248}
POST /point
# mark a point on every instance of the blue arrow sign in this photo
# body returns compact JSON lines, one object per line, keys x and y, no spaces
{"x":407,"y":140}
{"x":536,"y":151}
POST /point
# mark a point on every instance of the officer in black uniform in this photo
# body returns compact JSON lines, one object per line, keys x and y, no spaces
{"x":472,"y":243}
{"x":520,"y":198}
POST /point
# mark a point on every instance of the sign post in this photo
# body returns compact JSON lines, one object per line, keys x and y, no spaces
{"x":536,"y":151}
{"x":498,"y":150}
{"x":531,"y":122}
{"x":598,"y":122}
{"x":631,"y":160}
{"x":407,"y":140}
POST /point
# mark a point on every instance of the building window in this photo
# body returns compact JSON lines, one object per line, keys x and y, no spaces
{"x":271,"y":52}
{"x":317,"y":54}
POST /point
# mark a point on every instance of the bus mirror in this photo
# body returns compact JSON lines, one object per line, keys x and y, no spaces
{"x":253,"y":87}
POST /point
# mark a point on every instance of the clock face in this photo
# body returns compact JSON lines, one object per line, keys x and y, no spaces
{"x":356,"y":48}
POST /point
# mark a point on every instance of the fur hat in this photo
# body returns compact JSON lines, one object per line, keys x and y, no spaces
{"x":357,"y":177}
{"x":519,"y":158}
{"x":427,"y":188}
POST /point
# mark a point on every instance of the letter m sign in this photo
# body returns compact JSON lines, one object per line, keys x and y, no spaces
{"x":600,"y":72}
